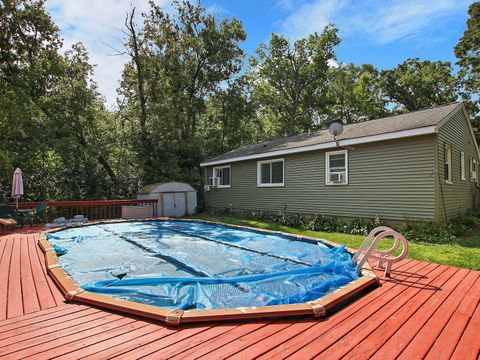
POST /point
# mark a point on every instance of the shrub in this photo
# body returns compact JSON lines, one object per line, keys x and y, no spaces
{"x":359,"y":226}
{"x":327,"y":224}
{"x":221,"y":212}
{"x":418,"y":232}
{"x":292,"y":219}
{"x":428,"y":232}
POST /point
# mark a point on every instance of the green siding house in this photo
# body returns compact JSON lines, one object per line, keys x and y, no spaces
{"x":418,"y":166}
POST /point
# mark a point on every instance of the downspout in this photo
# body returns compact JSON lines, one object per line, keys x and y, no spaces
{"x":443,"y":197}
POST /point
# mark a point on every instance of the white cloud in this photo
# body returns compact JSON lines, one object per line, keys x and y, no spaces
{"x":312,"y":16}
{"x":381,"y":21}
{"x":96,"y":23}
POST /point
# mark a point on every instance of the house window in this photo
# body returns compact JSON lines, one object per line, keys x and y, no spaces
{"x":462,"y":165}
{"x":448,"y":164}
{"x":473,"y":169}
{"x":221,"y":177}
{"x":336,"y":167}
{"x":270,"y":173}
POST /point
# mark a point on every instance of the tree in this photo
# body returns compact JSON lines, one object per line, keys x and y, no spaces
{"x":290,"y":80}
{"x":178,"y":61}
{"x":78,"y":124}
{"x":230,"y":120}
{"x":50,"y":112}
{"x":29,"y":67}
{"x":467,"y":52}
{"x":416,"y":84}
{"x":355,"y":93}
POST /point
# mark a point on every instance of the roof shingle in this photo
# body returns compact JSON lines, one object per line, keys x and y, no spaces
{"x":411,"y":120}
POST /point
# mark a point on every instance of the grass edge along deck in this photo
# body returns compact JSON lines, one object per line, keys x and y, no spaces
{"x":318,"y":308}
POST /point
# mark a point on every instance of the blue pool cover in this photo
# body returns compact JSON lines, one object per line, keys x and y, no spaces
{"x":194,"y":265}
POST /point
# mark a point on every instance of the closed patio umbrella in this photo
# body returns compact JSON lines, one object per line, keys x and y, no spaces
{"x":17,"y":185}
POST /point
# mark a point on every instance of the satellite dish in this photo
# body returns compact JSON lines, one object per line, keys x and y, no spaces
{"x":335,"y":129}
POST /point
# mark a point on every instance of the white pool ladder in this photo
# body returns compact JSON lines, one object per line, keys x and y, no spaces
{"x":369,"y":250}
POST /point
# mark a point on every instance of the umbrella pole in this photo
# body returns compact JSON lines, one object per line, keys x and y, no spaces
{"x":17,"y":203}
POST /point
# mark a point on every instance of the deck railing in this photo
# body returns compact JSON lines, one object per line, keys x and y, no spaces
{"x":91,"y":209}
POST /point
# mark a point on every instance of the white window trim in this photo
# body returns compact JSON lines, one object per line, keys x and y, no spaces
{"x":327,"y":167}
{"x":462,"y":166}
{"x":230,"y":177}
{"x":259,"y":175}
{"x":448,"y":160}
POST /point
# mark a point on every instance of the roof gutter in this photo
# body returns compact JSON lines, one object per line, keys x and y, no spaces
{"x":330,"y":145}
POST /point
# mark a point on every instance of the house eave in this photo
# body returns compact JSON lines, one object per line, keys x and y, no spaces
{"x":329,"y":145}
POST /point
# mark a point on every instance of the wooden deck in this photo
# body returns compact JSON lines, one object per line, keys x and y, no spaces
{"x":424,"y":311}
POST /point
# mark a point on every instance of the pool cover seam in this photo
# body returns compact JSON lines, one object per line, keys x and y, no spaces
{"x":170,"y":259}
{"x":241,"y":247}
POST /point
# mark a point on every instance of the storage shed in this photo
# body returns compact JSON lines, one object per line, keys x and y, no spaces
{"x":175,"y":199}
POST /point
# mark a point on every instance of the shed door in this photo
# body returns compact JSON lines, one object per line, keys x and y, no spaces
{"x":191,"y":202}
{"x":180,"y":206}
{"x":168,"y":204}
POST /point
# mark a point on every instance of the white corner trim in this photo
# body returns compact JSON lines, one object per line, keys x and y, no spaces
{"x":332,"y":144}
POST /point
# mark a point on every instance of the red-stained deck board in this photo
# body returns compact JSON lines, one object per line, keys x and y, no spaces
{"x":217,"y":342}
{"x":74,"y":350}
{"x":309,"y":335}
{"x":248,"y":340}
{"x":54,"y":291}
{"x":46,"y":297}
{"x":7,"y":325}
{"x":401,"y":274}
{"x":423,"y":310}
{"x":163,"y":342}
{"x":367,"y":315}
{"x":25,"y":345}
{"x":412,"y":300}
{"x":29,"y":293}
{"x":52,"y":326}
{"x":181,"y":346}
{"x":275,"y":340}
{"x":390,"y":339}
{"x":469,"y":346}
{"x":329,"y":332}
{"x":137,"y":338}
{"x":425,"y":338}
{"x":51,"y":345}
{"x":15,"y":300}
{"x":103,"y":348}
{"x":4,"y":273}
{"x":448,"y":339}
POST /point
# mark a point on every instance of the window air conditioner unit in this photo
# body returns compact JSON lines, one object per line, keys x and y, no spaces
{"x":337,"y":178}
{"x":214,"y":181}
{"x":473,"y":175}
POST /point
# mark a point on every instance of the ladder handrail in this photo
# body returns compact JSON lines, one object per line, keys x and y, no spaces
{"x":371,"y":235}
{"x":370,"y":251}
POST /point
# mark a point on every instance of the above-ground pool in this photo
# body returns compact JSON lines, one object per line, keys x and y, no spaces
{"x":192,"y":265}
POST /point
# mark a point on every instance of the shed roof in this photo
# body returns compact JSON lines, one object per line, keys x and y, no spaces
{"x":170,"y":186}
{"x":396,"y":124}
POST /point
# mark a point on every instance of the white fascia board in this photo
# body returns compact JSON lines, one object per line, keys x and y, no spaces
{"x":329,"y":145}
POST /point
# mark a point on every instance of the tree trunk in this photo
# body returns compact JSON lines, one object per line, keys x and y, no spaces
{"x":130,"y":25}
{"x":102,"y":161}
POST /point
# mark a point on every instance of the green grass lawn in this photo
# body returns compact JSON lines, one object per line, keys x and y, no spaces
{"x":464,"y":253}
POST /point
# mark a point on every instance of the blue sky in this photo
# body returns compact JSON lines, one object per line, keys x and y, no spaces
{"x":380,"y":32}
